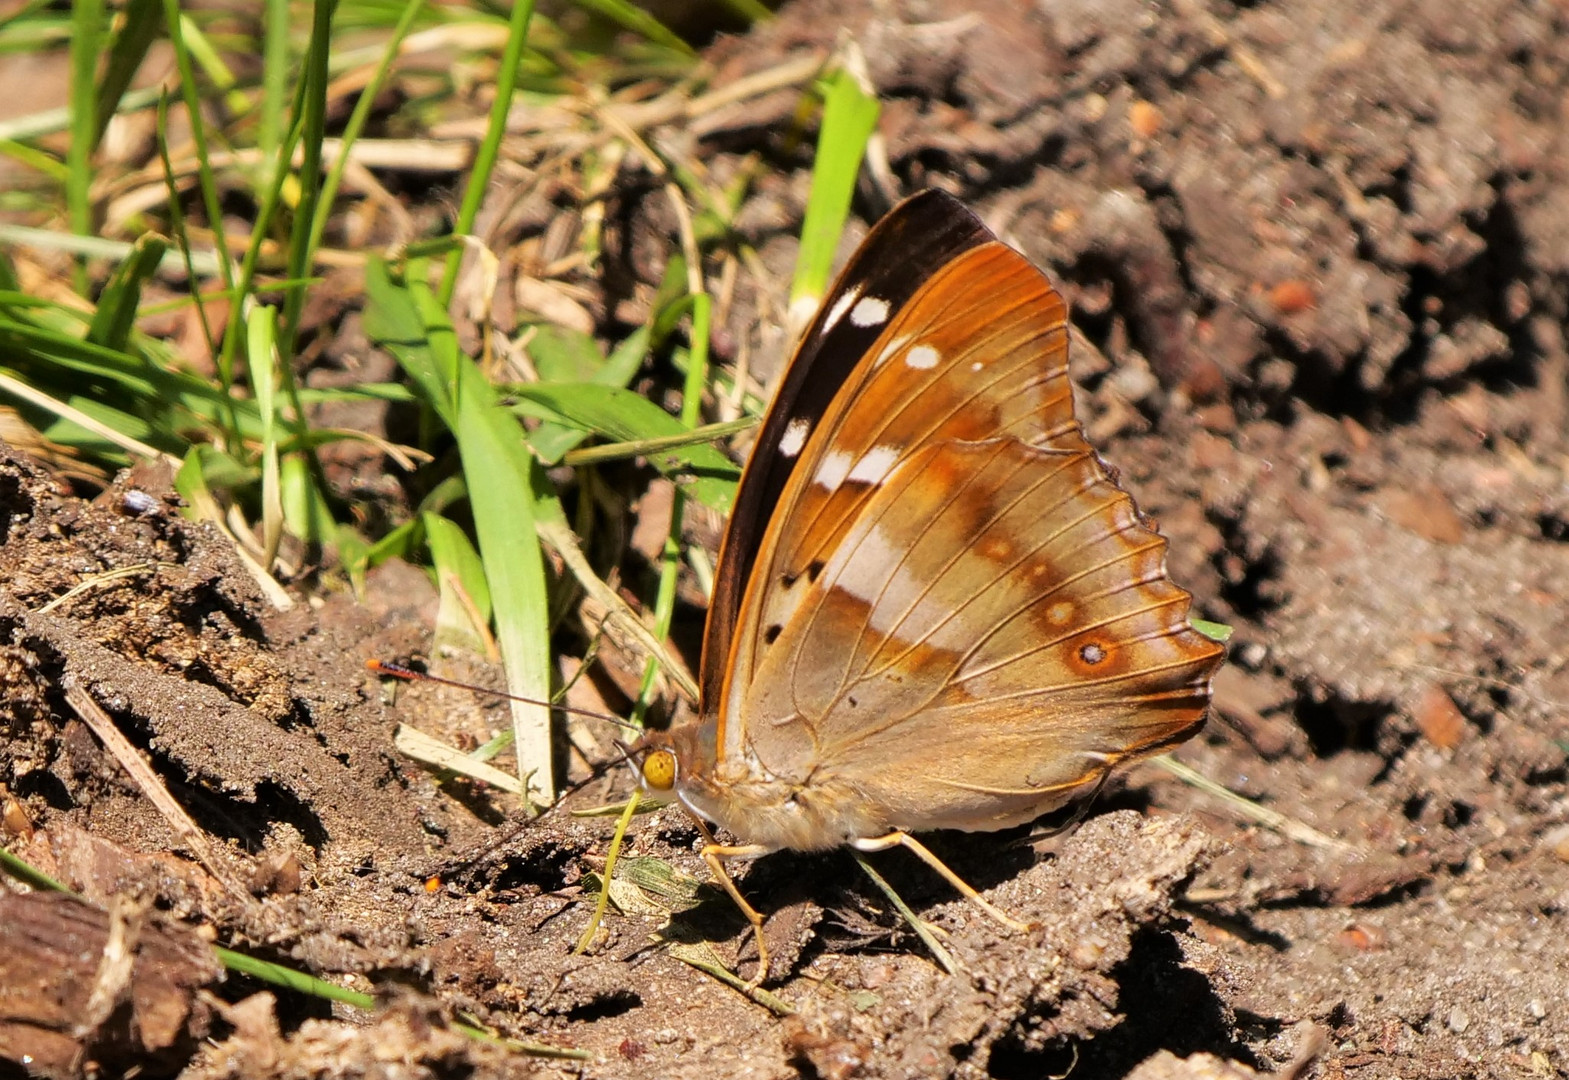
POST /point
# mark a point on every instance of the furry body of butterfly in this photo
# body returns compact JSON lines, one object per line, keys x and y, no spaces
{"x":934,"y":607}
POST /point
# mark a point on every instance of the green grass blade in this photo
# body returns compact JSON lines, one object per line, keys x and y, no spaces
{"x":52,"y":121}
{"x":313,"y":121}
{"x":213,"y":66}
{"x":118,"y":303}
{"x":393,"y":320}
{"x":608,"y":410}
{"x":503,"y":482}
{"x":35,"y":350}
{"x":190,"y":94}
{"x":139,"y":28}
{"x":622,"y":415}
{"x":562,"y":354}
{"x":601,"y":905}
{"x":305,"y":507}
{"x":552,"y":441}
{"x":275,"y":86}
{"x":261,"y":348}
{"x":28,"y":874}
{"x":750,"y":10}
{"x":460,"y":582}
{"x":490,"y":146}
{"x":708,"y":433}
{"x":922,"y":928}
{"x":96,"y":247}
{"x":638,"y":21}
{"x":849,"y":115}
{"x":87,"y":28}
{"x":33,"y":158}
{"x":357,"y":119}
{"x":288,"y":979}
{"x":183,"y":240}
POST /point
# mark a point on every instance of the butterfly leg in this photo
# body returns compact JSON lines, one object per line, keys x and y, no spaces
{"x":715,"y":855}
{"x":904,"y":839}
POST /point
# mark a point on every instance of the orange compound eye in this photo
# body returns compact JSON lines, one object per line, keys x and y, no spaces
{"x":659,"y":770}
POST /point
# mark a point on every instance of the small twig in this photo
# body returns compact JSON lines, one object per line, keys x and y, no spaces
{"x":98,"y":581}
{"x":922,"y":928}
{"x":431,"y":751}
{"x":151,"y":786}
{"x":790,"y":73}
{"x":1299,"y":831}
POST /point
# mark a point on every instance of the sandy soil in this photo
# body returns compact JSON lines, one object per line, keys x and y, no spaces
{"x":1319,"y":256}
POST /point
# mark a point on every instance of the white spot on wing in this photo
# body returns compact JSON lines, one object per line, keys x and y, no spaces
{"x":833,"y":470}
{"x":922,"y":356}
{"x":841,"y":305}
{"x":871,"y":311}
{"x":794,"y":437}
{"x":892,"y":347}
{"x":874,"y":550}
{"x":874,"y":464}
{"x":874,"y":571}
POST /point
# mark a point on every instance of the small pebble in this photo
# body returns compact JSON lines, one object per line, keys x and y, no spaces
{"x":1458,"y":1020}
{"x":1145,"y":119}
{"x":1556,"y":842}
{"x":139,"y":502}
{"x":1252,"y":655}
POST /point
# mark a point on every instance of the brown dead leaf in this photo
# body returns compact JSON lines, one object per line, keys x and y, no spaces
{"x":1426,"y":511}
{"x":1439,"y":720}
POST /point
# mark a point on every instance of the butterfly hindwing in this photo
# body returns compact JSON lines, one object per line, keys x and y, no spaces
{"x":994,"y":631}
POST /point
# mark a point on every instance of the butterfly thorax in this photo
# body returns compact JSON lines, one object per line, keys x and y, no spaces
{"x":812,"y":812}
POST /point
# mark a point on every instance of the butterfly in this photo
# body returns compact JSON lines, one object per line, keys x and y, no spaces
{"x":934,"y":607}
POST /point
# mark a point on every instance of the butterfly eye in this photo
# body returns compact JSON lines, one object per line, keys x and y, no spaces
{"x":659,"y":770}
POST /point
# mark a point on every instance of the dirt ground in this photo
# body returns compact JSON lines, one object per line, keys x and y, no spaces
{"x":1319,"y":256}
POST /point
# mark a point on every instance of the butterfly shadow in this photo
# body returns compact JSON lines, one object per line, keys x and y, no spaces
{"x":824,"y":902}
{"x":1166,"y":1005}
{"x":713,"y":921}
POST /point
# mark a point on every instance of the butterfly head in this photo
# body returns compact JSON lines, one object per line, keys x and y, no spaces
{"x":668,"y":762}
{"x":658,"y":770}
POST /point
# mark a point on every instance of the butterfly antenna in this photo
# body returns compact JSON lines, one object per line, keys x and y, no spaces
{"x":456,"y":868}
{"x":408,"y":674}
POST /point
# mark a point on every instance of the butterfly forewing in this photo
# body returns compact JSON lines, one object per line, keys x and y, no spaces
{"x":923,"y":234}
{"x":932,"y":376}
{"x":979,"y":352}
{"x":956,"y":607}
